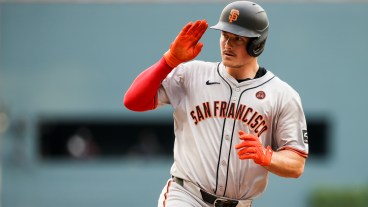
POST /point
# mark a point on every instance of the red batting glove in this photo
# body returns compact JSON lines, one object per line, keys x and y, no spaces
{"x":252,"y":148}
{"x":186,"y":45}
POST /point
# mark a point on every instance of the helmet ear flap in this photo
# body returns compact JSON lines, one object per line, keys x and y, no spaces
{"x":255,"y":48}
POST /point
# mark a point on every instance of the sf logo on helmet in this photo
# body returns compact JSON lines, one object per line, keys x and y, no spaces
{"x":233,"y":15}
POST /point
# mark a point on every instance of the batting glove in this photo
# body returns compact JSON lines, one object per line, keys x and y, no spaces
{"x":186,"y":45}
{"x":252,"y":148}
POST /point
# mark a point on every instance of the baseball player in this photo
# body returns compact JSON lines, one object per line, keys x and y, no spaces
{"x":234,"y":121}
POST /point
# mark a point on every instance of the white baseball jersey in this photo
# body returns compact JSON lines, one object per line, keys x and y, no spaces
{"x":210,"y":107}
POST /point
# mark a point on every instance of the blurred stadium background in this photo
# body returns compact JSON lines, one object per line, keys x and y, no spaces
{"x":67,"y":140}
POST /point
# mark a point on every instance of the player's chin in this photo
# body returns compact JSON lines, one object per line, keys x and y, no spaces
{"x":228,"y":58}
{"x":229,"y":63}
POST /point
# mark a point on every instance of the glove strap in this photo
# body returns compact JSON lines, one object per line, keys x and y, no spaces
{"x":171,"y":60}
{"x":267,"y":158}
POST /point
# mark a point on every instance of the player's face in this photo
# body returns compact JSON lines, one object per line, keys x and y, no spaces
{"x":233,"y":50}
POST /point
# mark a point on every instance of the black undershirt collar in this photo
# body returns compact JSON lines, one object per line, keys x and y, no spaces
{"x":260,"y":72}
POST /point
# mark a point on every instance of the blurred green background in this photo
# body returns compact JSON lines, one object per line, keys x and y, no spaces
{"x":66,"y":63}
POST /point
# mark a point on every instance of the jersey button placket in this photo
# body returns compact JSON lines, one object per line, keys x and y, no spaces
{"x":227,"y":137}
{"x":236,"y":94}
{"x":223,"y":163}
{"x":226,"y":148}
{"x":221,"y":188}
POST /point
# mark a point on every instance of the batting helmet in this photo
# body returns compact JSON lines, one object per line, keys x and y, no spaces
{"x":247,"y":19}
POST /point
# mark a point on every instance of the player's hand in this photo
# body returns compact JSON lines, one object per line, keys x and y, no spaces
{"x":252,"y":148}
{"x":186,"y":45}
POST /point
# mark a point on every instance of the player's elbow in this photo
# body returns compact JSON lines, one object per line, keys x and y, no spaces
{"x":297,"y":172}
{"x":128,"y":104}
{"x":136,"y":105}
{"x":131,"y":105}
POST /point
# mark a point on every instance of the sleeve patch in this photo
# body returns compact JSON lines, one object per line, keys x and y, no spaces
{"x":305,"y":136}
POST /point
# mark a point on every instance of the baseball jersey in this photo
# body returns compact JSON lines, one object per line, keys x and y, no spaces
{"x":210,"y":107}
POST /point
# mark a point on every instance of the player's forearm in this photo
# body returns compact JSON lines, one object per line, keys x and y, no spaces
{"x":141,"y":95}
{"x":287,"y":163}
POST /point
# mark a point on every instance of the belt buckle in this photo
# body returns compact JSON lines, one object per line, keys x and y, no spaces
{"x":219,"y":202}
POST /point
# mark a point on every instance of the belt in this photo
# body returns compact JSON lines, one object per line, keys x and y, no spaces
{"x":210,"y":198}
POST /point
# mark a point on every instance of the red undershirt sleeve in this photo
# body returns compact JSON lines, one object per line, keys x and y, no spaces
{"x":142,"y":94}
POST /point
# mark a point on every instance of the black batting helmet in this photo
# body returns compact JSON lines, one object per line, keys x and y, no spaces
{"x":247,"y":19}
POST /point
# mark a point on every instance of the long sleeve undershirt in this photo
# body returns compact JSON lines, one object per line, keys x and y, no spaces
{"x":142,"y":94}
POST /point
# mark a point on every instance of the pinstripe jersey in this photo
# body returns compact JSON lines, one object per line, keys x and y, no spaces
{"x":210,"y":107}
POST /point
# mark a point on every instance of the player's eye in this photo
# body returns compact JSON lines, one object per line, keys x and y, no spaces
{"x":225,"y":36}
{"x":239,"y":40}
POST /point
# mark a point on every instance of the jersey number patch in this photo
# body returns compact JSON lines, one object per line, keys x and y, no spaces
{"x":305,"y":136}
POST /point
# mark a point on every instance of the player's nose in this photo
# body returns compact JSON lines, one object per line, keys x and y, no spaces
{"x":227,"y":41}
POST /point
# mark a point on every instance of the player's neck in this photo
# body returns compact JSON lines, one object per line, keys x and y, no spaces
{"x":243,"y":72}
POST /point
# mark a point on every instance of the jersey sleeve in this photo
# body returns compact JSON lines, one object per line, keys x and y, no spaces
{"x":172,"y":90}
{"x":291,"y":130}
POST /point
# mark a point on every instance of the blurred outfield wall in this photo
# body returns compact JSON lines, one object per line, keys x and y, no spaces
{"x":77,"y":60}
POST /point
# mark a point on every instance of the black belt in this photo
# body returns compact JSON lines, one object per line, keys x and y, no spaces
{"x":209,"y":198}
